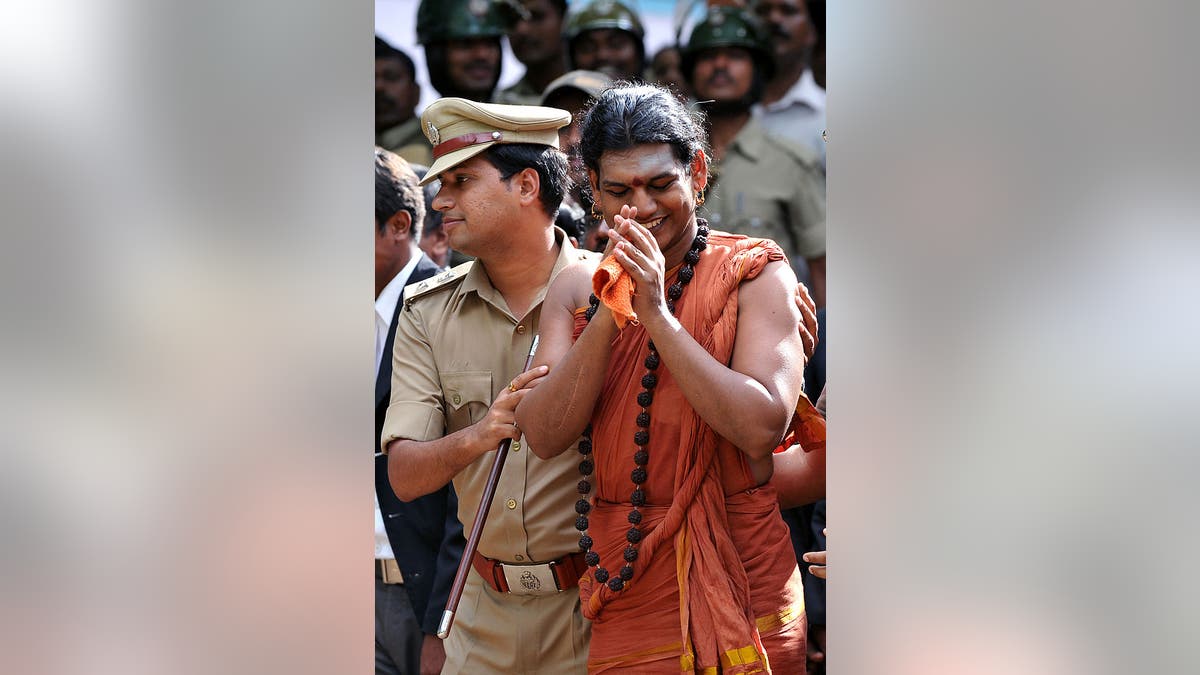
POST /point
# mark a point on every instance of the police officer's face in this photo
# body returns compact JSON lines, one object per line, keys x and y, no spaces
{"x":477,"y":206}
{"x":473,"y":64}
{"x":396,"y":93}
{"x":792,"y":34}
{"x":538,"y":39}
{"x":611,"y":51}
{"x":662,"y":188}
{"x":723,"y":74}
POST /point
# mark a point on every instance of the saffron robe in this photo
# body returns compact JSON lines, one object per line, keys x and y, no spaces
{"x":715,"y":583}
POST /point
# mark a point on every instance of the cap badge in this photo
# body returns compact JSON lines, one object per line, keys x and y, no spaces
{"x":478,"y":7}
{"x":434,"y":136}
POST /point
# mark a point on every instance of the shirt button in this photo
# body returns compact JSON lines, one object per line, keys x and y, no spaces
{"x":457,"y":399}
{"x":520,"y":330}
{"x":512,"y":503}
{"x":520,"y":557}
{"x":516,"y":446}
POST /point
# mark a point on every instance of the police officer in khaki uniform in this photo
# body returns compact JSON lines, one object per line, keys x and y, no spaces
{"x":461,"y":343}
{"x":762,"y":185}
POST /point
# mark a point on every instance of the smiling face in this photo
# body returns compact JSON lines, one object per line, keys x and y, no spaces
{"x":662,"y":188}
{"x":473,"y":64}
{"x":475,"y":204}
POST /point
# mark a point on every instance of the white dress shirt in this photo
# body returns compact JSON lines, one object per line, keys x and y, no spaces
{"x":799,"y":115}
{"x":385,"y":304}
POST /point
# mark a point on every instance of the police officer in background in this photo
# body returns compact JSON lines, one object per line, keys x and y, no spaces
{"x":537,"y":42}
{"x":607,"y":36}
{"x":462,"y":45}
{"x":397,"y":127}
{"x":761,"y":185}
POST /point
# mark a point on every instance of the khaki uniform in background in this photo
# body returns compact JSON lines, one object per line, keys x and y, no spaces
{"x":457,"y":347}
{"x":770,"y":187}
{"x":408,"y":141}
{"x":521,"y":93}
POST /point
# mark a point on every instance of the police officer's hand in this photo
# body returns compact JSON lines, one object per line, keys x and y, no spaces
{"x":501,"y":421}
{"x":638,"y":252}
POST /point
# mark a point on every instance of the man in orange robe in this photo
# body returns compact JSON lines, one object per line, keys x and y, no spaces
{"x":713,"y":584}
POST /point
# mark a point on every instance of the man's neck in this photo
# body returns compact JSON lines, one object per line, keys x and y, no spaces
{"x":540,"y":75}
{"x":785,"y":78}
{"x":381,"y":281}
{"x":522,"y":270}
{"x":724,"y":127}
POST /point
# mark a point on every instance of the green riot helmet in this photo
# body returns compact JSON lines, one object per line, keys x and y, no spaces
{"x":603,"y":14}
{"x":729,"y":27}
{"x":440,"y":20}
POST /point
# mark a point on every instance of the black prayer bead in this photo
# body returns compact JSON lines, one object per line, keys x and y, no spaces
{"x":634,"y":535}
{"x":584,"y":487}
{"x":638,"y":497}
{"x":585,"y":446}
{"x":638,"y":475}
{"x":616,"y":584}
{"x":585,"y":542}
{"x":601,"y":574}
{"x":671,"y":306}
{"x":587,"y":431}
{"x":630,"y":554}
{"x":635,"y":516}
{"x":585,"y":467}
{"x":643,"y":419}
{"x":641,"y":437}
{"x":650,"y":343}
{"x":675,"y":290}
{"x":591,"y":558}
{"x":692,"y":257}
{"x":641,"y":457}
{"x":652,"y":361}
{"x":591,"y":311}
{"x":581,"y":523}
{"x":686,"y":273}
{"x":649,"y":380}
{"x":626,"y":572}
{"x":645,"y":398}
{"x":582,"y":507}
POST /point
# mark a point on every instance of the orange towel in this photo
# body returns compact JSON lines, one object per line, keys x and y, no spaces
{"x":613,"y":285}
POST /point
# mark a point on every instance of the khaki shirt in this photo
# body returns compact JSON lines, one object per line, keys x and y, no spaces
{"x":770,"y":187}
{"x":521,"y":93}
{"x":407,"y":141}
{"x":457,"y":347}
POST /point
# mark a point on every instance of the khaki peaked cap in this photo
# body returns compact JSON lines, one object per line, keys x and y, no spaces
{"x":459,"y":129}
{"x":591,"y":82}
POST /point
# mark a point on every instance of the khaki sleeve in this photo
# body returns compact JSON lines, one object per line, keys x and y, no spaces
{"x":415,"y":410}
{"x":806,"y":211}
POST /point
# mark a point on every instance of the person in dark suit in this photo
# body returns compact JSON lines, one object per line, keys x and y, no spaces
{"x":417,"y":544}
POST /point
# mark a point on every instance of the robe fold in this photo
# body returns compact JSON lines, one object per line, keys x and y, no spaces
{"x":716,"y":587}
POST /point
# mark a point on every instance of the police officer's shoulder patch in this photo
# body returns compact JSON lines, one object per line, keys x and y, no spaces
{"x":440,"y":281}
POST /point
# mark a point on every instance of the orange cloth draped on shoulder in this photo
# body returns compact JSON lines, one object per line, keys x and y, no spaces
{"x":715,"y":582}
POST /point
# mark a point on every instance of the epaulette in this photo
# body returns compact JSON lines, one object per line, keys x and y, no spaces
{"x":442,"y":280}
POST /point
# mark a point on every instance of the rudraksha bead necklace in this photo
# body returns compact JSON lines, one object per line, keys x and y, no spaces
{"x":641,"y":437}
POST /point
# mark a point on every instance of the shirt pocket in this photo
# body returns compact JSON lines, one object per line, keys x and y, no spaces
{"x":467,"y":396}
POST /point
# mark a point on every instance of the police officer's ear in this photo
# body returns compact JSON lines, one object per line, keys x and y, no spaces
{"x":528,"y":185}
{"x":699,"y":170}
{"x":399,"y":226}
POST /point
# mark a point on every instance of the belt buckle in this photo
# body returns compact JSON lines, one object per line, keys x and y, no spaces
{"x":391,"y":571}
{"x":531,"y":579}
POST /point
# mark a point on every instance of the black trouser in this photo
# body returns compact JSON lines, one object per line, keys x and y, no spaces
{"x":398,"y":634}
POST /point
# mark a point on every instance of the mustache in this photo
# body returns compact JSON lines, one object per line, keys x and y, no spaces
{"x":720,"y":74}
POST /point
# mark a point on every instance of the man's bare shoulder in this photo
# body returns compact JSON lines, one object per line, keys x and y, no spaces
{"x":574,"y":281}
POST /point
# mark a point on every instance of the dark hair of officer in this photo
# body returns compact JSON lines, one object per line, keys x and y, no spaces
{"x":629,"y":115}
{"x":383,"y":50}
{"x":396,"y":190}
{"x":550,"y":165}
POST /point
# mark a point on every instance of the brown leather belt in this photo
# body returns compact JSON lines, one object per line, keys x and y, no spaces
{"x":535,"y":579}
{"x":387,"y":571}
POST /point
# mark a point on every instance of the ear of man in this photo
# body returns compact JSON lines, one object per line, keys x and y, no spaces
{"x":529,"y":186}
{"x":399,"y":226}
{"x":700,"y":170}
